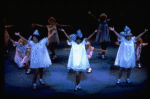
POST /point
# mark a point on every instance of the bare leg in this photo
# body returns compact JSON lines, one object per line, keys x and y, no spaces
{"x":35,"y":75}
{"x":128,"y":73}
{"x":120,"y":72}
{"x":139,"y":61}
{"x":139,"y":65}
{"x":104,"y":47}
{"x":28,"y":66}
{"x":78,"y":77}
{"x":41,"y":72}
{"x":41,"y":75}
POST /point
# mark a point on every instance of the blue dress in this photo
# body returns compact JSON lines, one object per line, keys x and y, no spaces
{"x":103,"y":35}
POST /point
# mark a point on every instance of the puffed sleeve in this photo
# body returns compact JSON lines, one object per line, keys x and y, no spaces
{"x":133,"y":38}
{"x":108,"y":20}
{"x":69,"y":43}
{"x":84,"y":42}
{"x":122,"y":39}
{"x":45,"y":40}
{"x":16,"y":44}
{"x":30,"y":43}
{"x":98,"y":21}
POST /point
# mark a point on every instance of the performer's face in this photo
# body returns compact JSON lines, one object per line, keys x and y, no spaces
{"x":78,"y":41}
{"x":20,"y":43}
{"x":35,"y":39}
{"x":128,"y":38}
{"x":50,"y":22}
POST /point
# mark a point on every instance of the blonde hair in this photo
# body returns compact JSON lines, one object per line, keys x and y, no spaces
{"x":22,"y":41}
{"x":88,"y":46}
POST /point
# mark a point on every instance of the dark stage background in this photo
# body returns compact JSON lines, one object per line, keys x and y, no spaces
{"x":23,"y":14}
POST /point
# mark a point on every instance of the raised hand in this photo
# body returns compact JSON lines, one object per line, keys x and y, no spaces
{"x":17,"y":33}
{"x":33,"y":24}
{"x":96,"y":30}
{"x":146,"y":30}
{"x":89,"y":12}
{"x":111,"y":28}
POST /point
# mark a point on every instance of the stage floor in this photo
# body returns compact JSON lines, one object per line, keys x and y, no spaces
{"x":60,"y":82}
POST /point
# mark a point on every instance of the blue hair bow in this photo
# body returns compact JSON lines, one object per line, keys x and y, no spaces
{"x":127,"y":31}
{"x":74,"y":36}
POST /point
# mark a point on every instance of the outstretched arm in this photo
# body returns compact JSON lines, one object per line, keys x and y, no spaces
{"x":91,"y":35}
{"x":33,"y":25}
{"x":70,"y":26}
{"x":7,"y":26}
{"x":145,"y":44}
{"x":12,"y":40}
{"x":89,"y":12}
{"x":65,"y":34}
{"x":141,"y":34}
{"x":63,"y":25}
{"x":51,"y":34}
{"x":101,"y":50}
{"x":112,"y":29}
{"x":66,"y":49}
{"x":18,"y":34}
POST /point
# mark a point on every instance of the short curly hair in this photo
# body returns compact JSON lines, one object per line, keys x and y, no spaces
{"x":38,"y":37}
{"x":52,"y":19}
{"x":22,"y":41}
{"x":139,"y":40}
{"x":103,"y":17}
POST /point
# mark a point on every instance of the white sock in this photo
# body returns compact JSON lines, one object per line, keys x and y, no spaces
{"x":41,"y":80}
{"x":34,"y":84}
{"x":118,"y":80}
{"x":103,"y":56}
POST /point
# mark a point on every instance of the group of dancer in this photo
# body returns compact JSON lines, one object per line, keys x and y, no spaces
{"x":34,"y":49}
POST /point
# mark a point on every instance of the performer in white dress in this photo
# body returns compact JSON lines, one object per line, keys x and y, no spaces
{"x":89,"y":52}
{"x":39,"y":55}
{"x":78,"y":59}
{"x":54,"y":40}
{"x":126,"y":53}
